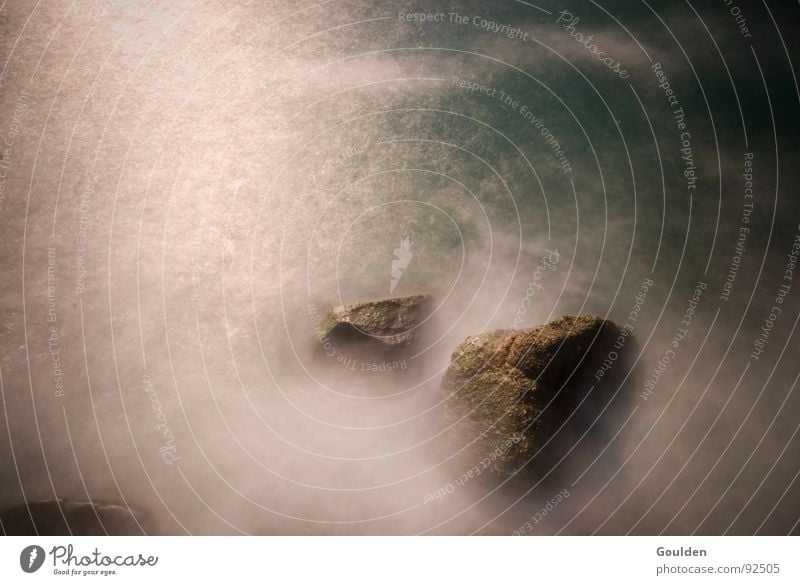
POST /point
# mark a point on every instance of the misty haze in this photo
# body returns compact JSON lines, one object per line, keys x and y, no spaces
{"x":355,"y":267}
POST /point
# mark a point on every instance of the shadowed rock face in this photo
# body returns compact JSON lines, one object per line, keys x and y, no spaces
{"x":513,"y":390}
{"x":64,"y":517}
{"x":389,"y":326}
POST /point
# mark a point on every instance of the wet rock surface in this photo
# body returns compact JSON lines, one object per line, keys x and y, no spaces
{"x":65,"y":517}
{"x":387,"y":327}
{"x":512,"y":391}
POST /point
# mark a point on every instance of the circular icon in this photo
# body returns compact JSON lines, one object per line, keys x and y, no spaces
{"x":31,"y":558}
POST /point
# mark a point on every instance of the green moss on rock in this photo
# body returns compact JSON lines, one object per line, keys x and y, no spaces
{"x":500,"y":383}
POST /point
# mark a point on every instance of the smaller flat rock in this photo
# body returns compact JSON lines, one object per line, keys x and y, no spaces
{"x":386,"y":325}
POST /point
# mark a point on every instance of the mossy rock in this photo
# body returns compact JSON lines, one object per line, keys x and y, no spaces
{"x":511,"y":389}
{"x":384,"y":325}
{"x":61,"y":517}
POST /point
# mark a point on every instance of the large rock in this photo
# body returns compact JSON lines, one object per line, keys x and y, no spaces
{"x":513,"y":389}
{"x":388,"y":326}
{"x":64,"y":517}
